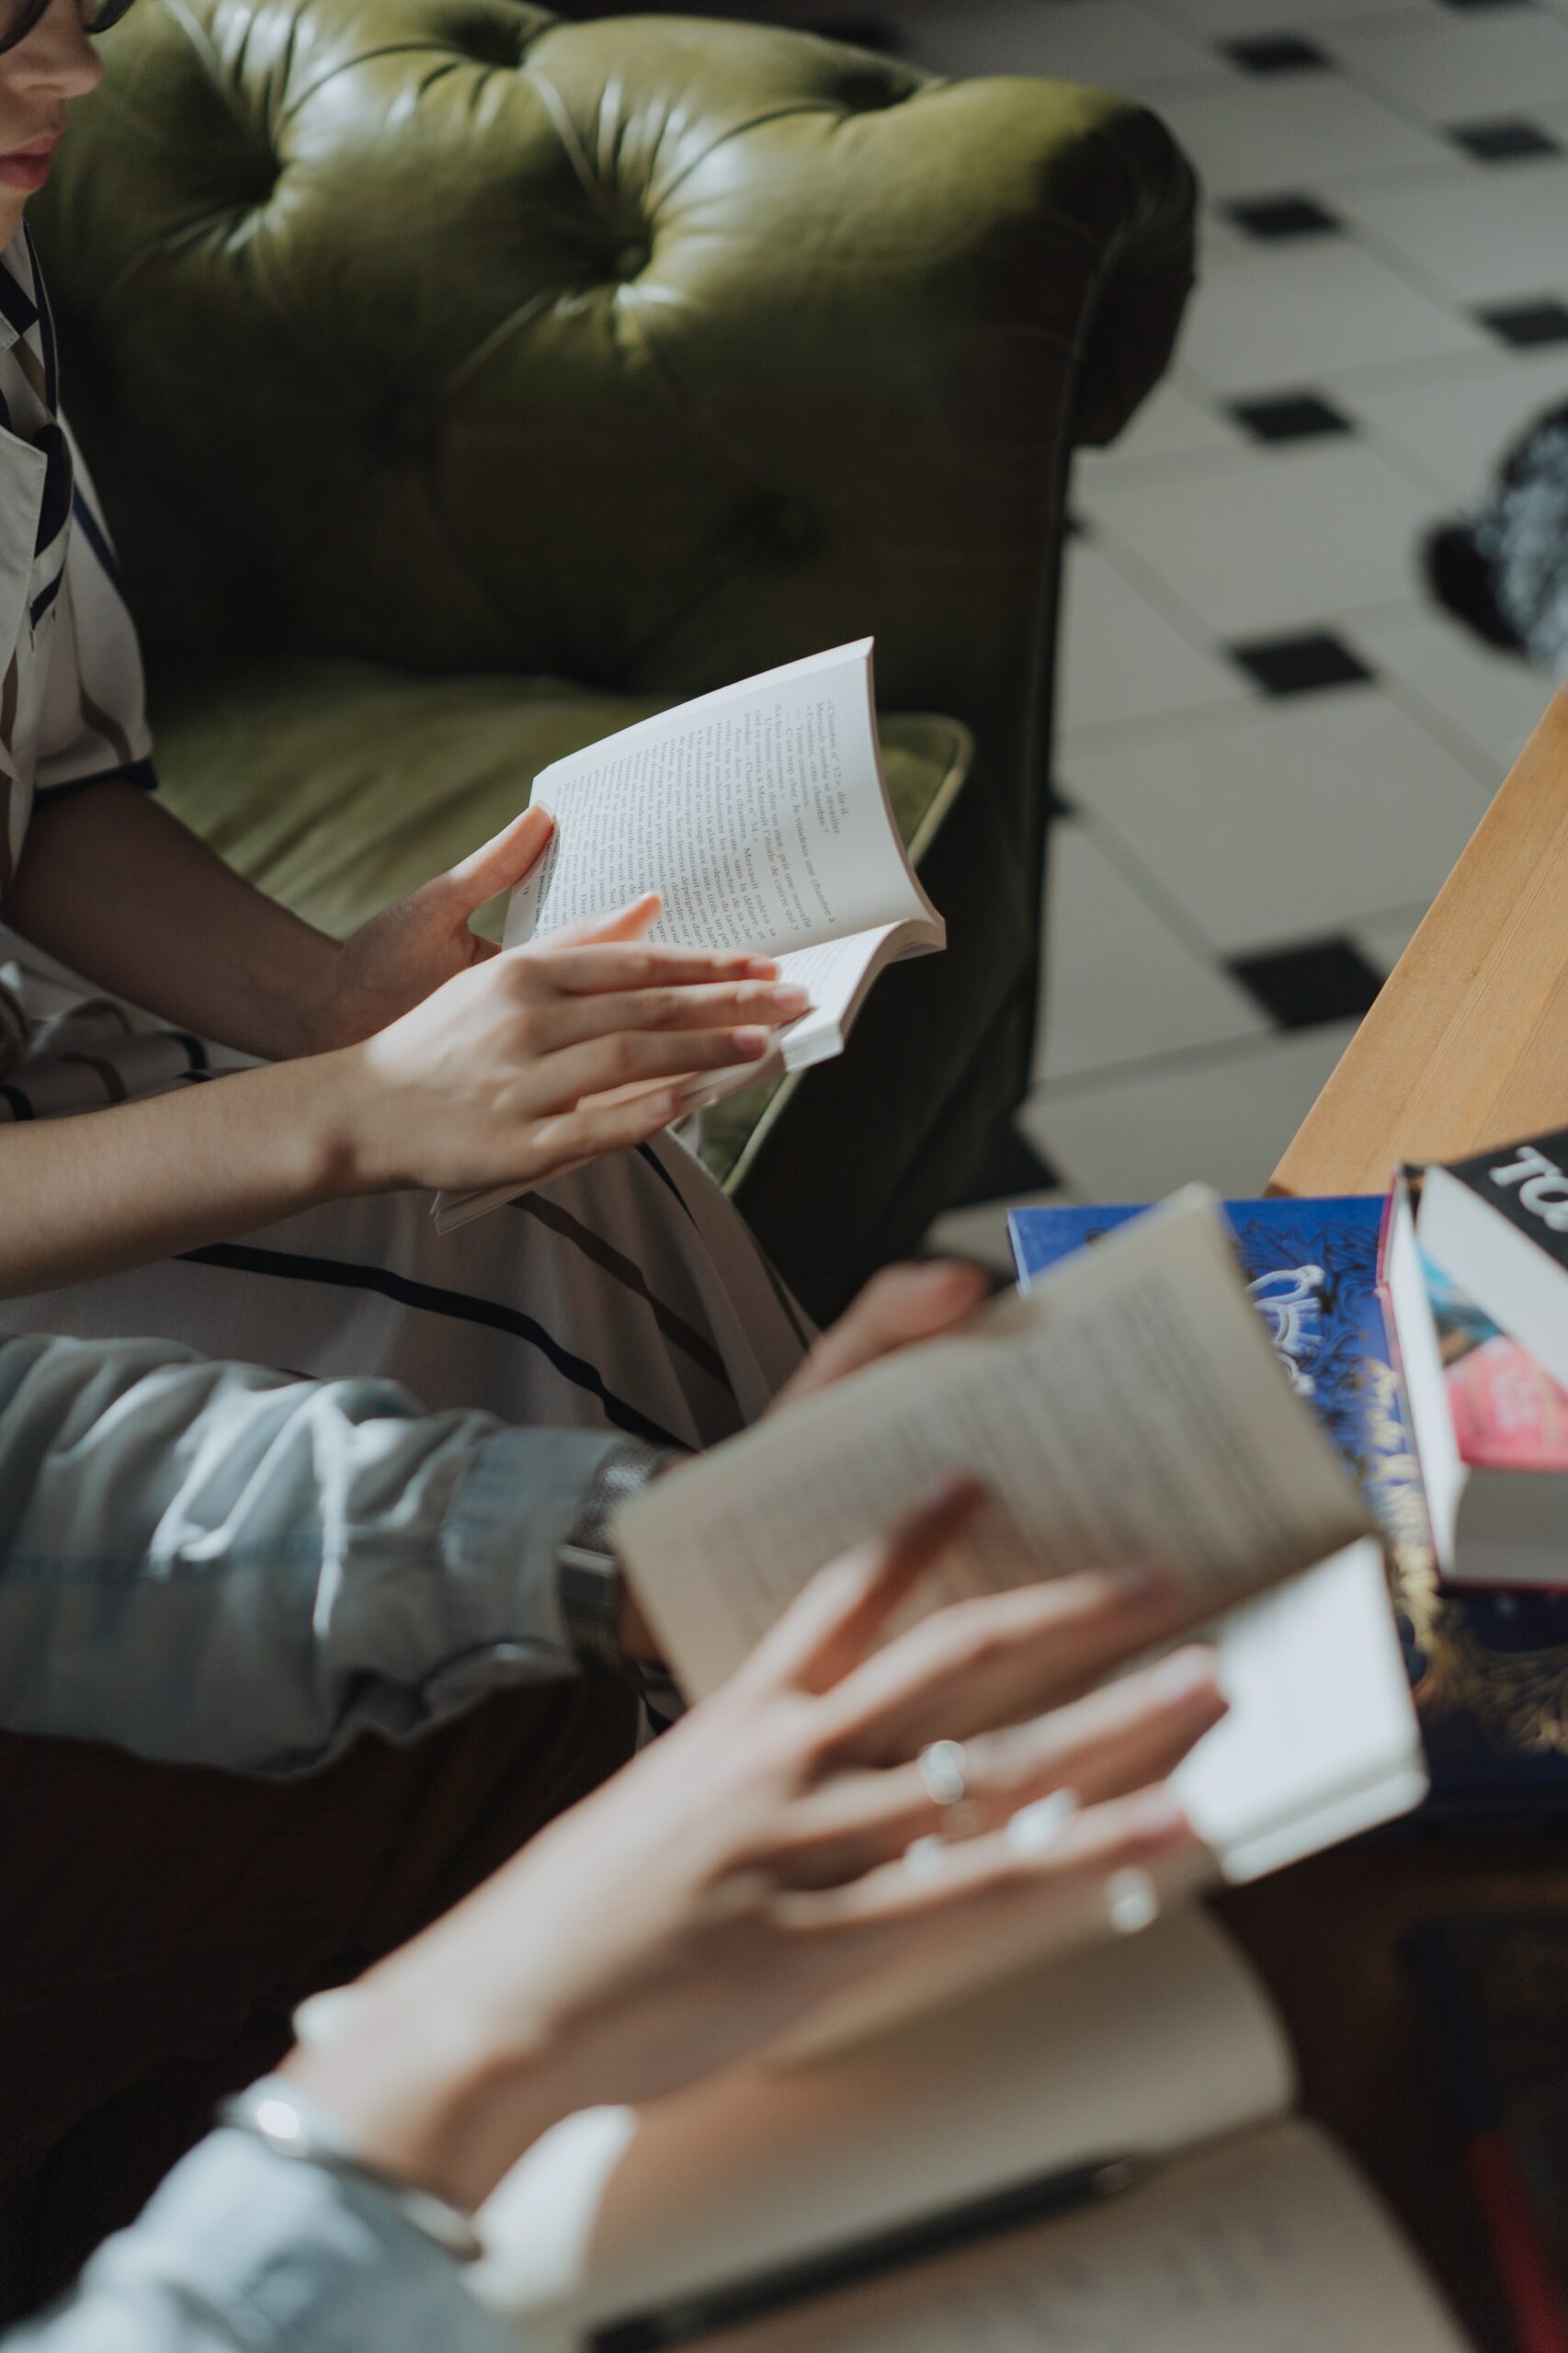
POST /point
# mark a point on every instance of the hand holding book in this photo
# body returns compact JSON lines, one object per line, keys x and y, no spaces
{"x":749,"y":1864}
{"x":533,"y":1061}
{"x":760,"y":816}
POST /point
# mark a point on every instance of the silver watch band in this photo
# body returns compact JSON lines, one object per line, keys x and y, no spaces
{"x":293,"y":2126}
{"x":587,"y":1572}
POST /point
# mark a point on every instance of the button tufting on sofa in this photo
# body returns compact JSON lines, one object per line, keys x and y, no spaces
{"x":687,"y":348}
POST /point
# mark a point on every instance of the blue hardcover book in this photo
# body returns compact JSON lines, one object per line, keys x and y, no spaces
{"x":1490,"y":1671}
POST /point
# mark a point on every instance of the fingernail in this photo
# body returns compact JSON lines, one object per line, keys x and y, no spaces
{"x":1132,"y":1901}
{"x":947,"y":1490}
{"x":748,"y":1044}
{"x":1182,"y":1676}
{"x":762,"y":968}
{"x":1142,"y":1581}
{"x":1159,"y":1818}
{"x":1036,"y":1829}
{"x":789,"y":1000}
{"x":924,"y":1858}
{"x":960,"y":1274}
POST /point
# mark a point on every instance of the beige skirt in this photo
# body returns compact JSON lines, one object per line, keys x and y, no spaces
{"x":629,"y":1295}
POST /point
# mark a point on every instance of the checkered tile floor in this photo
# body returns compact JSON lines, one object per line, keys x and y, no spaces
{"x":1273,"y":746}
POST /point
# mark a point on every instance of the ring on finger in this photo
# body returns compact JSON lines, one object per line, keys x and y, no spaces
{"x":1036,"y":1829}
{"x":1132,"y":1901}
{"x":943,"y":1767}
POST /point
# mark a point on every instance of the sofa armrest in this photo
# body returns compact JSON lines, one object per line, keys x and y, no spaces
{"x":644,"y":351}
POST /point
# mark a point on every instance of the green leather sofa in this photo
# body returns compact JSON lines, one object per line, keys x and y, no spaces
{"x":462,"y":384}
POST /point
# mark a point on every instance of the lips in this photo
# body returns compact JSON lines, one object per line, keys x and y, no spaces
{"x":27,"y":167}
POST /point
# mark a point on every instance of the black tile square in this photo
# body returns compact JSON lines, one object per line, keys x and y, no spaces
{"x":1273,"y":218}
{"x":1277,"y":53}
{"x":1291,"y":417}
{"x":1509,"y":140}
{"x":1299,"y":666}
{"x":1525,"y":325}
{"x":1012,"y":1168}
{"x":1317,"y":979}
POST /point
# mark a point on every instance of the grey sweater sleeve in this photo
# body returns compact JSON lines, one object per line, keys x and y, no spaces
{"x":217,"y":1564}
{"x":245,"y":2252}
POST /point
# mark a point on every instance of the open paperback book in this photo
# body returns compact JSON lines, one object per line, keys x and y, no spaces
{"x":1129,"y":1407}
{"x":793,"y":2208}
{"x":760,"y":815}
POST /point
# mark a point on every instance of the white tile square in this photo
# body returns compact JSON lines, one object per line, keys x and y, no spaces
{"x":1491,"y":701}
{"x":1112,"y":44}
{"x":1278,"y":540}
{"x":1383,"y":939}
{"x":1481,"y":236}
{"x":1453,"y":422}
{"x":1311,"y":307}
{"x":1287,"y":821}
{"x":1225,"y":1119}
{"x":1305,"y":130}
{"x":1121,"y":659}
{"x":1123,"y":981}
{"x":981,"y":1230}
{"x":1236,"y":19}
{"x":1172,"y":423}
{"x":1458,"y":67}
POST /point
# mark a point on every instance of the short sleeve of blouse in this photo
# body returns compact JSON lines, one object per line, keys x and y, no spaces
{"x":93,"y":726}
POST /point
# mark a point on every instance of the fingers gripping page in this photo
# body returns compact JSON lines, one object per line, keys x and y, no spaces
{"x":1129,"y":1409}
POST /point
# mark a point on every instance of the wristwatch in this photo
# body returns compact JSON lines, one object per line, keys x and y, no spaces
{"x":591,"y":1582}
{"x":293,"y":2126}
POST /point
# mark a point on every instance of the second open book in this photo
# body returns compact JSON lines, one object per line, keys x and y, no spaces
{"x":760,"y":815}
{"x":1242,"y":2229}
{"x":1130,"y":1407}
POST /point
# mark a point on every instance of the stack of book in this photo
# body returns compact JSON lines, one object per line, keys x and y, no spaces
{"x":1429,"y":1332}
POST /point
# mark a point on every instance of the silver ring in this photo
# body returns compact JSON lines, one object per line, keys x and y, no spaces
{"x":944,"y":1769}
{"x":1131,"y":1901}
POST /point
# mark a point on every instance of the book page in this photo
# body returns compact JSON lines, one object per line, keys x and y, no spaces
{"x":1322,"y":1740}
{"x":1162,"y":2040}
{"x":1130,"y":1408}
{"x":1271,"y":2244}
{"x":833,"y":974}
{"x":758,"y":813}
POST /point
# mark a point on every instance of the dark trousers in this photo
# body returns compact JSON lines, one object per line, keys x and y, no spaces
{"x":158,"y":1924}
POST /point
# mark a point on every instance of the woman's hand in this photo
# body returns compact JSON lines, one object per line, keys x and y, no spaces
{"x":751,"y":1861}
{"x":394,"y":962}
{"x":539,"y":1058}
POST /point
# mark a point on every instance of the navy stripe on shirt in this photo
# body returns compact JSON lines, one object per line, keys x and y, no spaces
{"x":45,"y":598}
{"x":294,"y":1265}
{"x":16,"y":306}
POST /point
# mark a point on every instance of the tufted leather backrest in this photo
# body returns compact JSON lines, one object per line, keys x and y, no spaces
{"x":642,"y":352}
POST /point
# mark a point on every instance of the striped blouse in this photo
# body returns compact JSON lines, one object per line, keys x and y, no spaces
{"x":73,"y":708}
